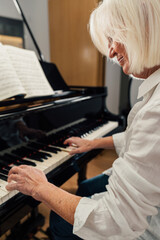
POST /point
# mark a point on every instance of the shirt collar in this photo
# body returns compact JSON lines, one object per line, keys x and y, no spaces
{"x":149,"y":83}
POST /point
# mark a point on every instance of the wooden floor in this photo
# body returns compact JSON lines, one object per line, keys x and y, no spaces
{"x":102,"y":162}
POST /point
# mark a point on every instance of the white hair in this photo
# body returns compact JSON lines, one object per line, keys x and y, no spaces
{"x":135,"y":24}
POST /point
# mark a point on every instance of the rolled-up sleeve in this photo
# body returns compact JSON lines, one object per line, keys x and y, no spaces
{"x":119,"y":141}
{"x":134,"y":186}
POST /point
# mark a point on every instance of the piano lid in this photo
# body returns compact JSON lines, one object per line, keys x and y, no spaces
{"x":19,"y":105}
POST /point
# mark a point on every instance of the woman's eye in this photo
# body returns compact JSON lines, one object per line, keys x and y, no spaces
{"x":110,"y":40}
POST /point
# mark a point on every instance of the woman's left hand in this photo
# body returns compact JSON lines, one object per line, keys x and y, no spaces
{"x":27,"y":180}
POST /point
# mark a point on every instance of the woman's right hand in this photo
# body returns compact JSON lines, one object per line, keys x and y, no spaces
{"x":79,"y":145}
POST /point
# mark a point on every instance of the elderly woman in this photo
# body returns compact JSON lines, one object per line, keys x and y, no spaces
{"x":127,"y":206}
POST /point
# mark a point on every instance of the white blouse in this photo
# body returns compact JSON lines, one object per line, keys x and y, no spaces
{"x":132,"y":198}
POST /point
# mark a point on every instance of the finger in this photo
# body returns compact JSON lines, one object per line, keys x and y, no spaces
{"x":14,"y":177}
{"x":24,"y":167}
{"x":67,"y":141}
{"x":11,"y":186}
{"x":27,"y":170}
{"x":72,"y":140}
{"x":75,"y":151}
{"x":15,"y":170}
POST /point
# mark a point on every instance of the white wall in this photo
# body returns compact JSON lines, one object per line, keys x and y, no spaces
{"x":112,"y":81}
{"x":36,"y":13}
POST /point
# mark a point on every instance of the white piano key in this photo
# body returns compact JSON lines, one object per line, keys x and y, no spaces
{"x":102,"y":131}
{"x":4,"y":194}
{"x":56,"y":160}
{"x":39,"y":165}
{"x":50,"y":163}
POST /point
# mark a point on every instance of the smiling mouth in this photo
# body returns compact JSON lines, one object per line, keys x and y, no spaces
{"x":120,"y":60}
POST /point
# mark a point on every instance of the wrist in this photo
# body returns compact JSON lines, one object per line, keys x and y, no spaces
{"x":95,"y":143}
{"x":105,"y":143}
{"x":40,"y":191}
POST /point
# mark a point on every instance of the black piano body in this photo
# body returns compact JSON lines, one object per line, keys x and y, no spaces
{"x":77,"y":111}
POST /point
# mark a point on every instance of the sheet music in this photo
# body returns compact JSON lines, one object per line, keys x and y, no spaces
{"x":29,"y":71}
{"x":9,"y":83}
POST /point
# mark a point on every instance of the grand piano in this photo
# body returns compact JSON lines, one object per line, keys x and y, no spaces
{"x":80,"y":111}
{"x":44,"y":123}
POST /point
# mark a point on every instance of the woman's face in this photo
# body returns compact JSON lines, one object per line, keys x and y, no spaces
{"x":118,"y":50}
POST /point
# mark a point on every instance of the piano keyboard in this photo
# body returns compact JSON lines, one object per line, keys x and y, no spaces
{"x":43,"y":155}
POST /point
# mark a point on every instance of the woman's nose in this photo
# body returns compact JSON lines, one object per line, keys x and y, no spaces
{"x":112,"y":52}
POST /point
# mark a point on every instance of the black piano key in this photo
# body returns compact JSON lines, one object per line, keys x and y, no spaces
{"x":35,"y":154}
{"x":41,"y":146}
{"x":53,"y":139}
{"x":52,"y":149}
{"x":4,"y":163}
{"x":36,"y":158}
{"x":49,"y":148}
{"x":28,"y":153}
{"x":20,"y":161}
{"x":9,"y":161}
{"x":3,"y":177}
{"x":44,"y":140}
{"x":56,"y":148}
{"x":4,"y":171}
{"x":43,"y":155}
{"x":37,"y":146}
{"x":6,"y":167}
{"x":2,"y":166}
{"x":23,"y":152}
{"x":8,"y":158}
{"x":19,"y":152}
{"x":12,"y":157}
{"x":27,"y":162}
{"x":58,"y":144}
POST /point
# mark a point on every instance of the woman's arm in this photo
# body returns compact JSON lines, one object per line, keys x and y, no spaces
{"x":33,"y":182}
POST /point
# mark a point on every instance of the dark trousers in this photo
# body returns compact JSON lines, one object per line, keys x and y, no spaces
{"x":62,"y":230}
